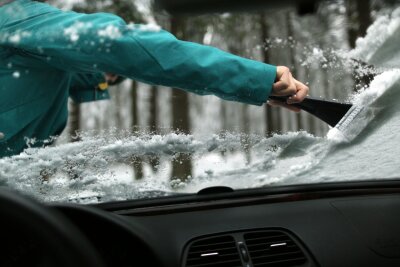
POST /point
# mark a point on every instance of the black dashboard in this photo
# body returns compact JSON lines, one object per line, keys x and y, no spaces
{"x":342,"y":224}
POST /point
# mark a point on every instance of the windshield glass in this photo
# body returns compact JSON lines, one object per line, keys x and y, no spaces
{"x":149,"y":141}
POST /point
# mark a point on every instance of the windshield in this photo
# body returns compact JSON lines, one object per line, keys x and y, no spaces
{"x":149,"y":141}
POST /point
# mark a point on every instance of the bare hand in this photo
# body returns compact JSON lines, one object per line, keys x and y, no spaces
{"x":286,"y":85}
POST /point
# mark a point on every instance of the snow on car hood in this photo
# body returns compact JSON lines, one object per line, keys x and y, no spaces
{"x":99,"y":172}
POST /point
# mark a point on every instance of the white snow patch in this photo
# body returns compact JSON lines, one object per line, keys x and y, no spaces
{"x":378,"y":46}
{"x":111,"y":32}
{"x":151,"y":27}
{"x":16,"y":74}
{"x":73,"y":32}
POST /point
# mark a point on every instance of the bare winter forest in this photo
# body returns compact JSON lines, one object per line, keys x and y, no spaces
{"x":311,"y":45}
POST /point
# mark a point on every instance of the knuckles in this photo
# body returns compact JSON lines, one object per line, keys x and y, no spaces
{"x":283,"y":69}
{"x":287,"y":85}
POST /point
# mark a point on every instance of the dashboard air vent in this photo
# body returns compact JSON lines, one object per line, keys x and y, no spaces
{"x":273,"y":248}
{"x":218,"y":251}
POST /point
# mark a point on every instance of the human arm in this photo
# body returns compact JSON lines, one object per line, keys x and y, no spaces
{"x":105,"y":43}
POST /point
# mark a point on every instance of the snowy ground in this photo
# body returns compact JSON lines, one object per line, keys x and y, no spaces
{"x":96,"y":169}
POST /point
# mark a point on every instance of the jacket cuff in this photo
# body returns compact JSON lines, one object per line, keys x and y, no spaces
{"x":262,"y":83}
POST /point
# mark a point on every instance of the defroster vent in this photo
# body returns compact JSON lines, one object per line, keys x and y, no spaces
{"x":273,"y":248}
{"x":218,"y":251}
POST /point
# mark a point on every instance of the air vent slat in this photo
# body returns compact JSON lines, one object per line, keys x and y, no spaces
{"x":268,"y":243}
{"x":255,"y":253}
{"x":218,"y":251}
{"x":212,"y":256}
{"x":223,"y":251}
{"x":273,"y":249}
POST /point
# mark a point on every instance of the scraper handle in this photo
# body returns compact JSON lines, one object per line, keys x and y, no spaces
{"x":330,"y":112}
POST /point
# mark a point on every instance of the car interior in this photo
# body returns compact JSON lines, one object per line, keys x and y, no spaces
{"x":331,"y":224}
{"x":338,"y":224}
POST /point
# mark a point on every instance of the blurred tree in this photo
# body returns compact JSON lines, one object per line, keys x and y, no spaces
{"x":74,"y":122}
{"x":182,"y":165}
{"x":359,"y":19}
{"x":237,"y":40}
{"x":127,"y":10}
{"x":154,"y":123}
{"x":271,"y":114}
{"x":136,"y":162}
{"x":293,"y":62}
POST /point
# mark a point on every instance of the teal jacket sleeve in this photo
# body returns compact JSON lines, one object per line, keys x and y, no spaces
{"x":101,"y":42}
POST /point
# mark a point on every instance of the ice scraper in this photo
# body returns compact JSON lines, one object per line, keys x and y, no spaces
{"x":349,"y":120}
{"x":330,"y":112}
{"x":336,"y":114}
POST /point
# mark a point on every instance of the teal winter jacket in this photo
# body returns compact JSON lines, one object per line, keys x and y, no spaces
{"x":48,"y":55}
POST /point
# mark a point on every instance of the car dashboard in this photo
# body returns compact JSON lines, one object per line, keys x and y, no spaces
{"x":341,"y":224}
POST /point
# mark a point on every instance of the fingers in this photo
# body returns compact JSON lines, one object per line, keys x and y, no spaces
{"x":302,"y":92}
{"x":292,"y":86}
{"x":280,"y":88}
{"x":285,"y":84}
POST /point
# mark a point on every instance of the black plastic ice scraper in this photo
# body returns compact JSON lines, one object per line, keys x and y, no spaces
{"x":330,"y":112}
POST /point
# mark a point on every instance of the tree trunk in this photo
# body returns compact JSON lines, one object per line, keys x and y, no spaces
{"x":153,"y":127}
{"x":75,"y":122}
{"x":136,"y":161}
{"x":182,"y":165}
{"x":359,"y":19}
{"x":293,"y":66}
{"x":364,"y":16}
{"x":245,"y":139}
{"x":271,"y":123}
{"x":153,"y":123}
{"x":118,"y":116}
{"x":74,"y":136}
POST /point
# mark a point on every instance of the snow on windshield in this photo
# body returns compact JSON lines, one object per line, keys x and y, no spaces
{"x":98,"y":167}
